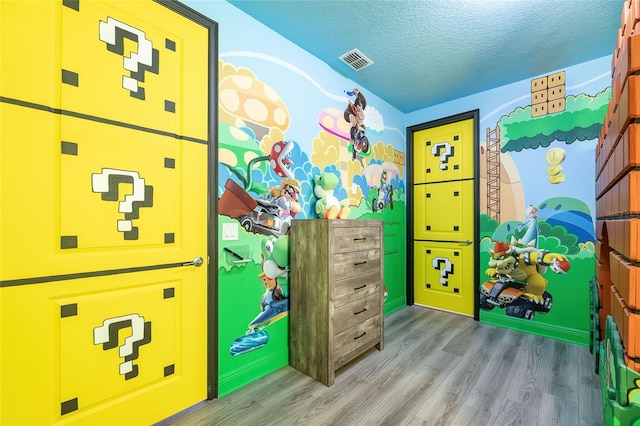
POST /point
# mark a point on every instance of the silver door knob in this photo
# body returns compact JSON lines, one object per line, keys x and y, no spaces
{"x":197,"y":261}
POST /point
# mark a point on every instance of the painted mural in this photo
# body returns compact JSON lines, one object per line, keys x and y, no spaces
{"x":537,"y":225}
{"x":297,"y":141}
{"x":284,"y":158}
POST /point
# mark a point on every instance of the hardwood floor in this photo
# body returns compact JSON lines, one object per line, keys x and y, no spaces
{"x":436,"y":368}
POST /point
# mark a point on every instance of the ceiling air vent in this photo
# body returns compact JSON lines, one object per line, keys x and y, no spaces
{"x":356,"y":60}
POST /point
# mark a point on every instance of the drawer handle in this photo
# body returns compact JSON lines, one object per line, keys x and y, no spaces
{"x":359,"y":312}
{"x":359,"y":263}
{"x":361,"y":287}
{"x":357,"y":337}
{"x":360,"y":239}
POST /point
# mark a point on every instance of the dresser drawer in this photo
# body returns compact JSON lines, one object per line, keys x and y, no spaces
{"x":346,"y":316}
{"x":356,"y":340}
{"x":356,"y":287}
{"x":347,"y":239}
{"x":356,"y":263}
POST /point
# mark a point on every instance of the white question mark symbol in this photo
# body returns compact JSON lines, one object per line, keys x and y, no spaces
{"x":103,"y":182}
{"x":448,"y":268}
{"x":144,"y":54}
{"x":107,"y":335}
{"x":444,"y":157}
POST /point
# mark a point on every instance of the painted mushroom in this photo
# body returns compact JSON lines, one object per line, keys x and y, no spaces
{"x":254,"y":102}
{"x":332,"y":121}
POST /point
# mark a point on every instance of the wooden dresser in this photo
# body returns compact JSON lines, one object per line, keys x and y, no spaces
{"x":335,"y":293}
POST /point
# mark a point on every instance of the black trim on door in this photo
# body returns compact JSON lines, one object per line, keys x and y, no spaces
{"x":89,"y":274}
{"x":212,"y":192}
{"x":475,"y":115}
{"x":75,"y":114}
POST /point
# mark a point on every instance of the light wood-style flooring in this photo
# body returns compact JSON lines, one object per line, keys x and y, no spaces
{"x":437,"y":368}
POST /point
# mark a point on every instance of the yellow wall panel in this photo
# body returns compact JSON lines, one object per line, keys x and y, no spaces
{"x":116,"y":336}
{"x":105,"y":187}
{"x":444,"y":153}
{"x":88,"y":75}
{"x":443,"y":216}
{"x":65,"y":226}
{"x":30,"y":46}
{"x":129,"y":65}
{"x":59,"y":340}
{"x":103,"y":194}
{"x":445,"y":276}
{"x":442,"y":211}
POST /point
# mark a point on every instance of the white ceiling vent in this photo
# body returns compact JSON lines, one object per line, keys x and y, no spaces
{"x":356,"y":60}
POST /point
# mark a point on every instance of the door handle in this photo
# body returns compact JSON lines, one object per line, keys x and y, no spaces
{"x":197,"y":262}
{"x":466,"y":242}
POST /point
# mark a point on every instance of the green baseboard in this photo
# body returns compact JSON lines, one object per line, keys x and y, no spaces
{"x":580,"y":337}
{"x":234,"y":380}
{"x":391,"y":306}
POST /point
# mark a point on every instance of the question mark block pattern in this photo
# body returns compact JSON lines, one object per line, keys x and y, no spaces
{"x":73,"y":370}
{"x":147,"y":197}
{"x":79,"y":120}
{"x":72,"y":109}
{"x":442,"y":157}
{"x":114,"y":39}
{"x":144,"y":314}
{"x":60,"y":225}
{"x":446,"y":275}
{"x":86,"y":78}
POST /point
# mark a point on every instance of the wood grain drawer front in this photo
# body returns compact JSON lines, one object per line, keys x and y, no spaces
{"x":356,"y":287}
{"x":356,"y":340}
{"x":356,"y":312}
{"x":355,"y":263}
{"x":336,"y":287}
{"x":355,"y":238}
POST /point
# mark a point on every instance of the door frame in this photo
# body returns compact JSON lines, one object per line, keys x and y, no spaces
{"x":212,"y":191}
{"x":475,"y":115}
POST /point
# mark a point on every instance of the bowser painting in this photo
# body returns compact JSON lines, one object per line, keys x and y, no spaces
{"x":516,"y":279}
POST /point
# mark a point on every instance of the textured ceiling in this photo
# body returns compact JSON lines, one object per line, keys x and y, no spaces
{"x":427,"y":52}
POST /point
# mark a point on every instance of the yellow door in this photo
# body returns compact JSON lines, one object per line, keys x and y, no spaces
{"x":443,"y":216}
{"x":103,"y":191}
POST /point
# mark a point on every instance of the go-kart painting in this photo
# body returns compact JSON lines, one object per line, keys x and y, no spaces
{"x":516,"y":280}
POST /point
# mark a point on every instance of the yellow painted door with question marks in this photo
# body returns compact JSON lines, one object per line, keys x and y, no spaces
{"x":444,"y":216}
{"x":106,"y":120}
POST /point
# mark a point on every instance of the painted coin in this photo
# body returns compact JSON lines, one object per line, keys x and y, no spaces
{"x":555,"y":156}
{"x":559,"y":178}
{"x":554,"y":170}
